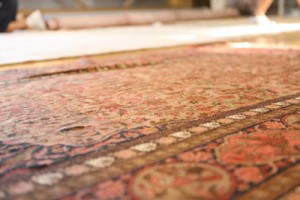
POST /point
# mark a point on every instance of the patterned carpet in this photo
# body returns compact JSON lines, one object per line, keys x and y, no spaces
{"x":185,"y":123}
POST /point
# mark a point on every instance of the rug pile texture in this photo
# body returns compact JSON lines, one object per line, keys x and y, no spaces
{"x":186,"y":123}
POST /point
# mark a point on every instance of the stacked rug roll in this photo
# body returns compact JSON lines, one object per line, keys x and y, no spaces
{"x":136,"y":18}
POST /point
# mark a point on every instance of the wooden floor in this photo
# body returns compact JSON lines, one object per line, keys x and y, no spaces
{"x":291,"y":40}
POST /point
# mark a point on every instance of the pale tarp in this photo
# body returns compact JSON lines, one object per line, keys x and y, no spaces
{"x":35,"y":46}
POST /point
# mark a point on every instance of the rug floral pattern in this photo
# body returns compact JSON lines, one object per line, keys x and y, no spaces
{"x":58,"y":118}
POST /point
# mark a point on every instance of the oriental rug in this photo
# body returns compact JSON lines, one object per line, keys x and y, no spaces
{"x":186,"y":123}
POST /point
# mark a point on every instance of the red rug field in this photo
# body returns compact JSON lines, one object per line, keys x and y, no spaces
{"x":184,"y":123}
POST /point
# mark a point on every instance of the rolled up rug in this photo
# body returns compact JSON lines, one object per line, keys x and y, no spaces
{"x":135,"y":18}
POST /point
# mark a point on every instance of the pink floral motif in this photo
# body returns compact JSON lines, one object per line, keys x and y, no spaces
{"x":21,"y":188}
{"x":166,"y":140}
{"x":249,"y":174}
{"x":110,"y":190}
{"x":259,"y":147}
{"x":76,"y":170}
{"x":182,"y":181}
{"x":250,"y":113}
{"x":195,"y":157}
{"x":148,"y":131}
{"x":126,"y":154}
{"x":274,"y":125}
{"x":198,"y":129}
{"x":225,"y":120}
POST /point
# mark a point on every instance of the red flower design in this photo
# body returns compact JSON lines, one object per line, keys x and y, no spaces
{"x":110,"y":190}
{"x":259,"y":147}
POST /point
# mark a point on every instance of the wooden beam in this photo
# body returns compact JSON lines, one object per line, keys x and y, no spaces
{"x":81,"y":4}
{"x":128,"y":3}
{"x":94,"y":9}
{"x":180,"y":3}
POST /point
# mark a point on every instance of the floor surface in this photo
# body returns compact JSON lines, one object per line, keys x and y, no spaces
{"x":37,"y":46}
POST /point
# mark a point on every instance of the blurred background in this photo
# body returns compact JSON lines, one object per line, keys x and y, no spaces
{"x":287,"y":8}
